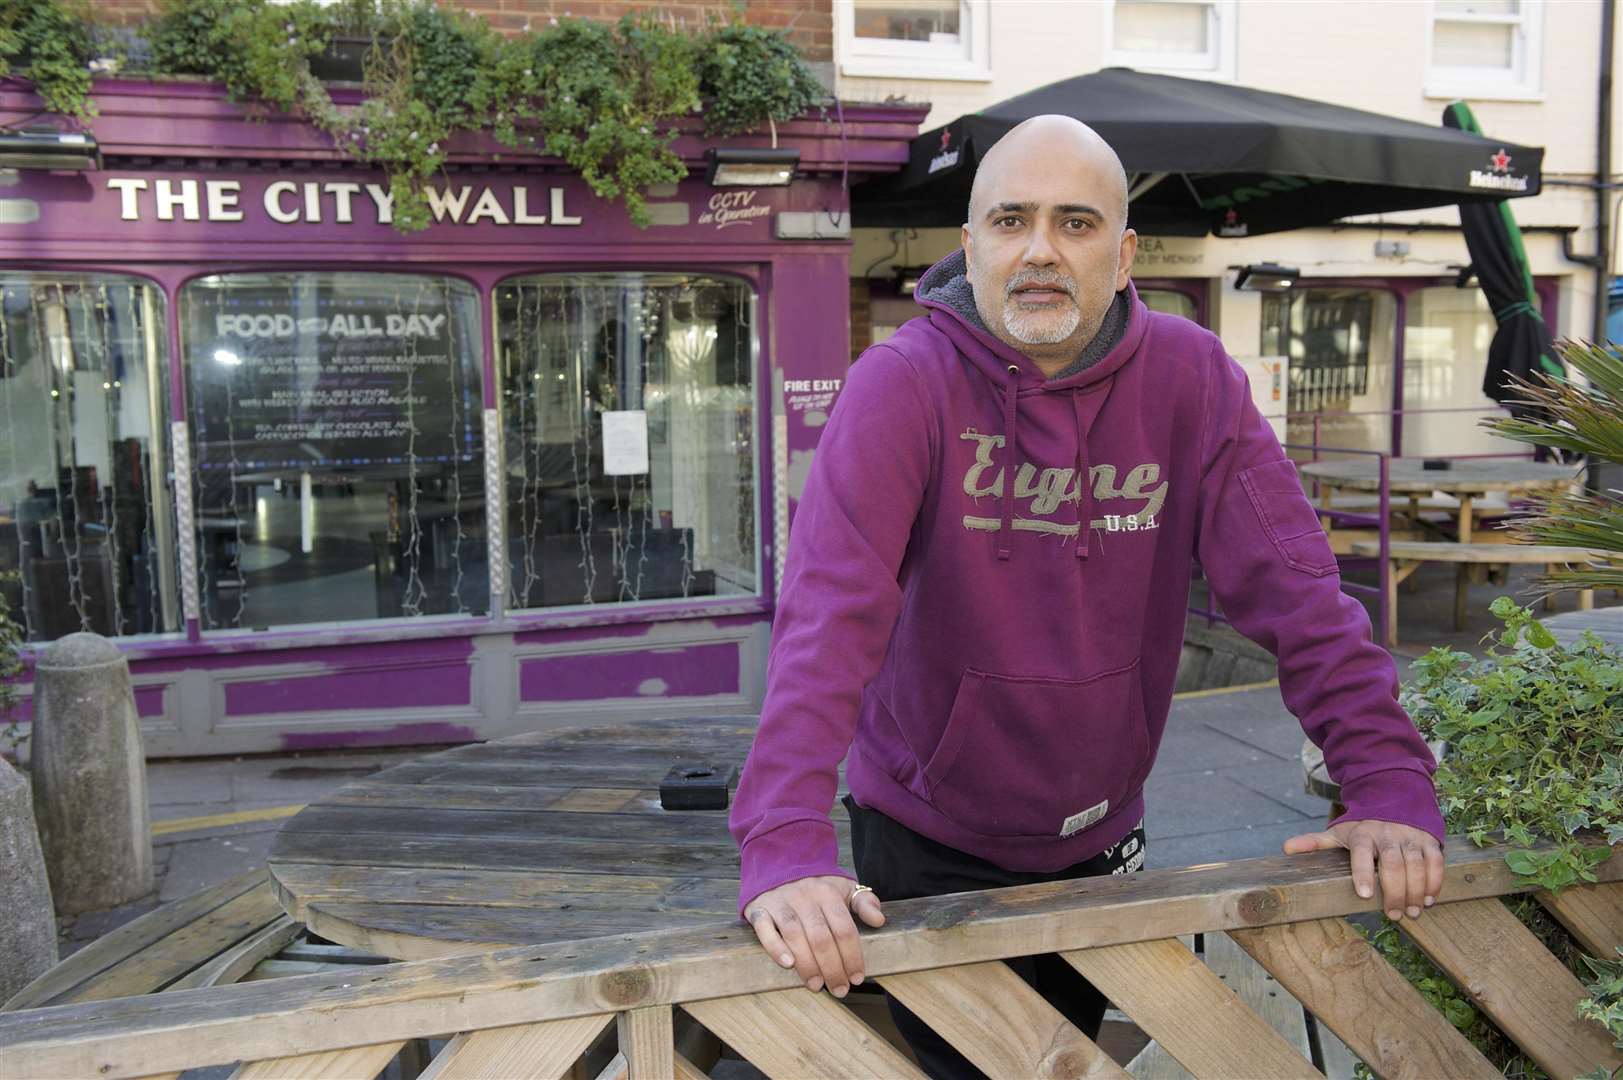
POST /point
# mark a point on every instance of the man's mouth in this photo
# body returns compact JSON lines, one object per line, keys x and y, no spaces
{"x":1040,"y":294}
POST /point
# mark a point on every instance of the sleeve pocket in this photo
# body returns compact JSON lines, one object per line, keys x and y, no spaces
{"x":1288,"y":518}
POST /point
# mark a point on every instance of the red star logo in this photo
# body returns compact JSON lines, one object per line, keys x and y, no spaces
{"x":1232,"y":217}
{"x":946,"y":137}
{"x":1500,"y":161}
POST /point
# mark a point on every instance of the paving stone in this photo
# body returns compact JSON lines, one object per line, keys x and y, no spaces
{"x":197,"y":864}
{"x":183,"y":783}
{"x":1280,"y":781}
{"x":1184,"y":804}
{"x":1189,"y":746}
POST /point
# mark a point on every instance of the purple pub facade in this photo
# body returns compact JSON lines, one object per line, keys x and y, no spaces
{"x":327,"y":484}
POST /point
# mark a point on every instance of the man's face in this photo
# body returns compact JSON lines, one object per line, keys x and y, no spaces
{"x":1046,"y":249}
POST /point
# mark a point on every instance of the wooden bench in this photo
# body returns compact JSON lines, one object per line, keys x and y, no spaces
{"x":233,"y":932}
{"x":1407,"y":556}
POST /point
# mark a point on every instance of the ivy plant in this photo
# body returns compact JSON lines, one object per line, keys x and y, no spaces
{"x":48,"y":42}
{"x":603,"y":98}
{"x":1535,"y":760}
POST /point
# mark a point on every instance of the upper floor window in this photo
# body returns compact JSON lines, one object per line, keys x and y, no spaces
{"x":1485,"y":48}
{"x":914,"y":39}
{"x":1189,"y":37}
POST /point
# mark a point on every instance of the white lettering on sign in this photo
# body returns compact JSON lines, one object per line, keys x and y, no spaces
{"x":733,"y":208}
{"x":338,"y":326}
{"x":315,"y":202}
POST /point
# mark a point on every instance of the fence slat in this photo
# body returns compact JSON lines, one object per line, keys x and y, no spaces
{"x":1591,"y":913}
{"x":796,"y":1033}
{"x":1184,"y":1007}
{"x":997,"y":1021}
{"x":1355,"y":993}
{"x":541,"y":1051}
{"x":356,"y":1063}
{"x":648,"y":1040}
{"x":1261,"y":993}
{"x":1510,"y":976}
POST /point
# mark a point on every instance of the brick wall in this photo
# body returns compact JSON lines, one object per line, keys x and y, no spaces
{"x":809,"y":23}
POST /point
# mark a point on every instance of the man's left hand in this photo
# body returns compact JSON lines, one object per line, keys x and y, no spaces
{"x":1409,"y":861}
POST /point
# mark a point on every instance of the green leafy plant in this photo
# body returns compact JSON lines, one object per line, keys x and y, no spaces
{"x":1535,"y":737}
{"x":1584,"y":417}
{"x":1605,"y":1004}
{"x":604,"y":98}
{"x":48,"y":42}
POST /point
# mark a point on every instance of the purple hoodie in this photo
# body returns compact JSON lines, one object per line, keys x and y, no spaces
{"x":1001,"y":676}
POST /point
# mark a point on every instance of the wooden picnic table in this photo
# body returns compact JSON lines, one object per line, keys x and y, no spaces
{"x":542,"y":837}
{"x":1464,"y":480}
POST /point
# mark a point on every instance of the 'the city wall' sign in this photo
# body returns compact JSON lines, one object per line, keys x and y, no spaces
{"x":339,"y":202}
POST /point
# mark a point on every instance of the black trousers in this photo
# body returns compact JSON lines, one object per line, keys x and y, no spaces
{"x":902,"y":865}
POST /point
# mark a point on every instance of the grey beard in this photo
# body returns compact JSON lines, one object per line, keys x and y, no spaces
{"x":1028,"y":328}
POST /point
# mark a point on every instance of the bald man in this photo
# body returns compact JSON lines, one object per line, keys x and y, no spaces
{"x":984,"y":598}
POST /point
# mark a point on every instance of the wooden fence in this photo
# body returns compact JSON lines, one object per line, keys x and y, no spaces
{"x":533,"y":1011}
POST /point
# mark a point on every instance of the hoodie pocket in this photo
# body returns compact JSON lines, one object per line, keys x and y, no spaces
{"x":1289,"y":519}
{"x":1040,"y":757}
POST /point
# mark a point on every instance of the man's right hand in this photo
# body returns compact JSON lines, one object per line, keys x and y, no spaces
{"x":807,"y":925}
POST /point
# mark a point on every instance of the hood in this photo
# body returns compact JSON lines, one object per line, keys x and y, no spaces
{"x":945,"y":292}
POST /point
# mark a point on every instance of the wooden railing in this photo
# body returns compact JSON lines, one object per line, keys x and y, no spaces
{"x":533,"y":1011}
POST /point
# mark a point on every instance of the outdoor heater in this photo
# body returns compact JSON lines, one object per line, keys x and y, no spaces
{"x":733,"y":167}
{"x":1265,"y":277}
{"x":49,"y":149}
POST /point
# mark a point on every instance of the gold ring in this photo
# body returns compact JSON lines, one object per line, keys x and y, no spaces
{"x":856,"y":892}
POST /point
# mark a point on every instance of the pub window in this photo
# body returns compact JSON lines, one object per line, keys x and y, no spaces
{"x":1340,"y":344}
{"x":629,"y":420}
{"x":85,"y":535}
{"x":336,"y":431}
{"x":1189,"y":37}
{"x":1485,"y":49}
{"x":914,"y":39}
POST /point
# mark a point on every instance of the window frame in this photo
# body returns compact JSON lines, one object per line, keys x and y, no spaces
{"x":763,"y":435}
{"x":1523,"y":81}
{"x":878,"y":58}
{"x":161,"y":362}
{"x":1219,"y":62}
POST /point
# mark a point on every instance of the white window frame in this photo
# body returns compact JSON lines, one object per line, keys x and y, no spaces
{"x":1522,"y":82}
{"x":1218,"y":62}
{"x":968,"y":61}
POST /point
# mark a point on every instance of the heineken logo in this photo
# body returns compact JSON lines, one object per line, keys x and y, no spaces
{"x":1497,"y":177}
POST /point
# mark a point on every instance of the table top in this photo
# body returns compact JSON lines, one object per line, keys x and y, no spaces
{"x":1408,"y":475}
{"x":544,"y":837}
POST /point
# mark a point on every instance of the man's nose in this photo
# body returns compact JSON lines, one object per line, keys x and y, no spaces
{"x":1040,"y":249}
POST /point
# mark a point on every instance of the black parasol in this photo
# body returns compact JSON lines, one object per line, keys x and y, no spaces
{"x":1521,"y":345}
{"x":1205,"y":157}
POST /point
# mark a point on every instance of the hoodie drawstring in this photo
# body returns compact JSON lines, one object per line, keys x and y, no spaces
{"x":1084,"y":507}
{"x":1011,"y":393}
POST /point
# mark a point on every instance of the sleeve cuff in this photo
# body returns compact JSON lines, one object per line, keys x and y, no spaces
{"x":1401,"y":795}
{"x":796,"y":849}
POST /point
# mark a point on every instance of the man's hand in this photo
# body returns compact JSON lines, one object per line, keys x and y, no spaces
{"x":807,"y":925}
{"x":1410,"y":861}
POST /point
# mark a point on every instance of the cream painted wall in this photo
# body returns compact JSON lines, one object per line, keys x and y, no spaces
{"x":1365,"y":54}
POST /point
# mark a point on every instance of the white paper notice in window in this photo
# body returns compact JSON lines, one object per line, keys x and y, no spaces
{"x":625,"y":443}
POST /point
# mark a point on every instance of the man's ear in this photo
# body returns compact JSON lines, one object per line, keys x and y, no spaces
{"x":965,"y":242}
{"x":1129,"y":251}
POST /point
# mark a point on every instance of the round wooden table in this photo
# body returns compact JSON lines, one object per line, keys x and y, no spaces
{"x":1465,"y":480}
{"x":551,"y":836}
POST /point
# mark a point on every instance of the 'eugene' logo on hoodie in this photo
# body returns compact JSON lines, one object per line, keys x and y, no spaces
{"x":1048,"y":489}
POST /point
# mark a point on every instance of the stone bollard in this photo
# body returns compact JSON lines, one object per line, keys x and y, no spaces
{"x":90,"y":780}
{"x":27,"y":925}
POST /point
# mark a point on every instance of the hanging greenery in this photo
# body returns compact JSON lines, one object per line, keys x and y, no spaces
{"x":603,"y":98}
{"x":48,"y":42}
